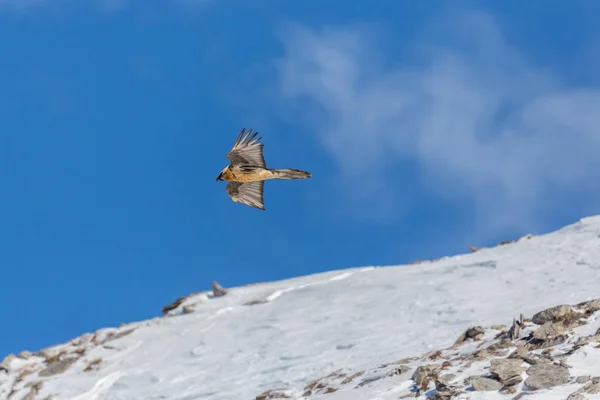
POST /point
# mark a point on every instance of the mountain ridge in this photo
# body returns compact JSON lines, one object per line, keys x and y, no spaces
{"x":288,"y":333}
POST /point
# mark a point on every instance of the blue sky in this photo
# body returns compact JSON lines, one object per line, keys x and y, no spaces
{"x":428,"y":127}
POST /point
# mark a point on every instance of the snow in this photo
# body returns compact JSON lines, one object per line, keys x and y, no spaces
{"x":286,"y":334}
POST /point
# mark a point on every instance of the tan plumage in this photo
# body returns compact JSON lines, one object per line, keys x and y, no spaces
{"x":247,"y":171}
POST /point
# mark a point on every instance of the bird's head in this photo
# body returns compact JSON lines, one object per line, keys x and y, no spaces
{"x":221,"y":175}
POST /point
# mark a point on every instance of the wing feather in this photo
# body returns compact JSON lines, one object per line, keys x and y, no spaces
{"x":248,"y":193}
{"x":246,"y":151}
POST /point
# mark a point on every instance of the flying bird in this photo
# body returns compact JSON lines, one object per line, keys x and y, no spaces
{"x":247,"y":172}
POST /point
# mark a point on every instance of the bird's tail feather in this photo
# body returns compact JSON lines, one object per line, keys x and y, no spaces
{"x":291,"y":173}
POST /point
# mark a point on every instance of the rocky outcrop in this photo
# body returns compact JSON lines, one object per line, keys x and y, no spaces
{"x":26,"y":372}
{"x":519,"y":359}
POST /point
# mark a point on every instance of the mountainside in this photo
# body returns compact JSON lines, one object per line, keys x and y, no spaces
{"x":364,"y":333}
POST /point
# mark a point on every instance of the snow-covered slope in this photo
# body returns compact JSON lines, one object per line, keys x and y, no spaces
{"x":287,"y":334}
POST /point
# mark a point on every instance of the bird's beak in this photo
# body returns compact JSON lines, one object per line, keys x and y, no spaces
{"x":219,"y":177}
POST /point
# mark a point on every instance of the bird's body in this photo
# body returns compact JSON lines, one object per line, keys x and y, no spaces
{"x":248,"y":171}
{"x":237,"y":174}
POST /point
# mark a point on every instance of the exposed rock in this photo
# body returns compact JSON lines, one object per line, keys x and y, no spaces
{"x":86,"y":337}
{"x":92,"y":365}
{"x":24,"y":372}
{"x":114,"y":336}
{"x":7,"y":360}
{"x":397,"y":371}
{"x":547,"y":331}
{"x":274,"y":394}
{"x":424,"y":371}
{"x":528,"y":236}
{"x":170,"y":307}
{"x":482,"y":384}
{"x":532,"y":352}
{"x":52,"y":357}
{"x":443,"y":391}
{"x":555,"y":341}
{"x":481,"y":354}
{"x":500,"y":346}
{"x":35,"y":388}
{"x":521,"y":342}
{"x":352,"y":377}
{"x":552,"y":314}
{"x":368,"y":380}
{"x":190,"y":308}
{"x":507,"y":390}
{"x":590,"y":305}
{"x":520,"y":352}
{"x":535,"y":359}
{"x":255,"y":302}
{"x":543,"y":376}
{"x":321,"y":386}
{"x":589,"y":388}
{"x":473,"y":333}
{"x":515,"y":329}
{"x":592,"y":388}
{"x":173,"y":305}
{"x":81,"y":351}
{"x":44,"y":353}
{"x":446,"y":379}
{"x":26,"y":355}
{"x":57,"y":367}
{"x":582,"y":341}
{"x":504,"y":241}
{"x":218,"y":290}
{"x":583,"y":379}
{"x":515,"y":380}
{"x":506,"y":368}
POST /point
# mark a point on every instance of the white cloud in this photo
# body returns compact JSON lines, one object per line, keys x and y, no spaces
{"x":483,"y":125}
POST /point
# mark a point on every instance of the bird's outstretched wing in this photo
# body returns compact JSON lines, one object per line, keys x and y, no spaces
{"x":247,"y":151}
{"x":248,"y":193}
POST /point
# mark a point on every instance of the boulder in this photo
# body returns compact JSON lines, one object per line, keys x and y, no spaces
{"x":482,"y":384}
{"x":505,"y":368}
{"x":544,"y":376}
